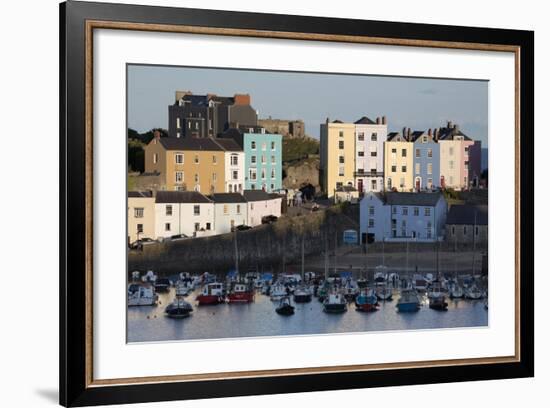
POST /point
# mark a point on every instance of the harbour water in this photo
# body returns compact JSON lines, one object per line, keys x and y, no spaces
{"x":148,"y":323}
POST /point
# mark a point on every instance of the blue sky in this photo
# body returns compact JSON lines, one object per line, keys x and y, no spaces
{"x":418,"y":103}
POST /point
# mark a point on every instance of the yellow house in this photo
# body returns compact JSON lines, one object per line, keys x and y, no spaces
{"x":141,"y":215}
{"x":398,"y":164}
{"x":187,"y":164}
{"x":337,"y":151}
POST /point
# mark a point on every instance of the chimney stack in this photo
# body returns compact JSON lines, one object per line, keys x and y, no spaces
{"x":449,"y":124}
{"x":404,"y":132}
{"x":156,"y":134}
{"x":455,"y":126}
{"x":378,"y":120}
{"x":384,"y":120}
{"x":242,"y":99}
{"x":436,"y":134}
{"x":409,"y":134}
{"x":429,"y":131}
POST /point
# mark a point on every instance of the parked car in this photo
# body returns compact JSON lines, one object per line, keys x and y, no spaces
{"x":242,"y":227}
{"x":178,"y":237}
{"x":142,"y":242}
{"x":269,"y":219}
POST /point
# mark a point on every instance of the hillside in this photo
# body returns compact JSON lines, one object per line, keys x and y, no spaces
{"x":299,"y":148}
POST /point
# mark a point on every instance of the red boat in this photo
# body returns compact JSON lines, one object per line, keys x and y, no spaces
{"x":241,"y":293}
{"x":211,"y":294}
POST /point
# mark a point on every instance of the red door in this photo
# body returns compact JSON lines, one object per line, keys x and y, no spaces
{"x":360,"y":185}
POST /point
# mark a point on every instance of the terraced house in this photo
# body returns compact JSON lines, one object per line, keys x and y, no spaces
{"x":196,"y":164}
{"x":425,"y":160}
{"x":369,"y":149}
{"x":337,"y":150}
{"x":455,"y":157}
{"x":398,"y":163}
{"x":263,"y":166}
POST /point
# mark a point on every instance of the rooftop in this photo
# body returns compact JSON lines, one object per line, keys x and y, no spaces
{"x":205,"y":144}
{"x":140,"y":194}
{"x":167,"y":197}
{"x":228,"y":198}
{"x":418,"y":199}
{"x":468,"y":215}
{"x":255,"y":195}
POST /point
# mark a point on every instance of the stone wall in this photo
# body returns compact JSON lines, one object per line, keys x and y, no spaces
{"x":265,"y":247}
{"x":302,"y":172}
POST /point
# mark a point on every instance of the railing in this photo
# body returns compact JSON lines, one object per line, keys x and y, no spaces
{"x":368,"y":174}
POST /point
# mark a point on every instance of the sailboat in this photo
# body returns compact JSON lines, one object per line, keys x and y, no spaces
{"x":384,"y":292}
{"x":302,"y":294}
{"x":473,"y":292}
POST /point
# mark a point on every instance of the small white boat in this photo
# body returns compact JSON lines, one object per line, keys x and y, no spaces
{"x":278,"y":291}
{"x":383,"y":292}
{"x":149,"y":277}
{"x":183,"y":288}
{"x":141,"y":294}
{"x":456,"y":291}
{"x":473,"y":292}
{"x":419,"y":282}
{"x":178,"y":309}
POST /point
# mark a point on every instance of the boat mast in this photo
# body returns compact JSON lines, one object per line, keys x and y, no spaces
{"x":303,"y":273}
{"x":335,"y":249}
{"x":236,"y":255}
{"x":326,"y":256}
{"x":474,"y":246}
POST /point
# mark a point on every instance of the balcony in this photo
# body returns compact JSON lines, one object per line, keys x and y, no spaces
{"x":368,"y":174}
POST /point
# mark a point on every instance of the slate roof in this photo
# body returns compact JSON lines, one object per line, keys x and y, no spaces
{"x":181,"y":197}
{"x":448,"y":133}
{"x":255,"y":195}
{"x":203,"y":100}
{"x":414,"y":199}
{"x":228,"y":198}
{"x":396,"y":136}
{"x":140,"y":194}
{"x":205,"y":144}
{"x":468,"y":215}
{"x":365,"y":121}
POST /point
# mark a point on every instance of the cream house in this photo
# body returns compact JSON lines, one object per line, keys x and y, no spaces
{"x":398,"y":165}
{"x":141,"y":215}
{"x":230,"y":211}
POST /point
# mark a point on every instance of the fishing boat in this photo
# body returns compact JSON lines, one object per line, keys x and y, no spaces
{"x":211,"y":294}
{"x":438,"y":302}
{"x":335,"y":303}
{"x":409,"y":301}
{"x":241,"y":293}
{"x":178,"y":309}
{"x":285,"y":308}
{"x":141,"y":294}
{"x":366,"y":301}
{"x":162,"y":285}
{"x":435,"y":290}
{"x":302,"y":294}
{"x":473,"y":292}
{"x":381,"y":274}
{"x":383,"y":292}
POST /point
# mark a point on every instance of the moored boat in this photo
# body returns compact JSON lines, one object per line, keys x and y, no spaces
{"x":162,"y":285}
{"x":302,"y":294}
{"x":211,"y":294}
{"x":473,"y":292}
{"x":384,"y":292}
{"x":241,"y":293}
{"x":335,"y":303}
{"x":285,"y":308}
{"x":438,"y":302}
{"x":408,"y":301}
{"x":141,"y":294}
{"x":178,"y":309}
{"x":366,"y":301}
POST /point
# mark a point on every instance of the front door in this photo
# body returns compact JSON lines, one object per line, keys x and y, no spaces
{"x":360,"y":185}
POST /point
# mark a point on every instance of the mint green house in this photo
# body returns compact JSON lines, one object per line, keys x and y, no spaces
{"x":263,"y":153}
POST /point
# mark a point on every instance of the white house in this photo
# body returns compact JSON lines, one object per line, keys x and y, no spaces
{"x":183,"y":212}
{"x":230,"y":211}
{"x":234,"y":165}
{"x":260,"y":204}
{"x":369,"y":150}
{"x":401,"y":217}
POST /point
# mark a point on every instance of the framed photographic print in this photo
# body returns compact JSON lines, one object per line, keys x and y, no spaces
{"x":255,"y":203}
